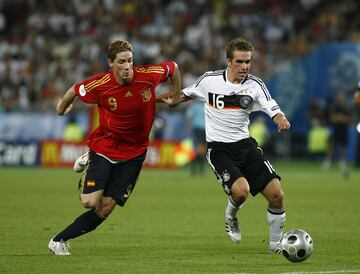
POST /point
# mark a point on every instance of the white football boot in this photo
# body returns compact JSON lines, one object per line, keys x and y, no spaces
{"x":81,"y":162}
{"x":59,"y":248}
{"x":232,"y":229}
{"x":275,"y":247}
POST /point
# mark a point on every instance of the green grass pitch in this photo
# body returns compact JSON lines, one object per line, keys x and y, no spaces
{"x":174,"y":223}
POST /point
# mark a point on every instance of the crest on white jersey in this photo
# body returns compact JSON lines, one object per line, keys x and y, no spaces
{"x":245,"y":101}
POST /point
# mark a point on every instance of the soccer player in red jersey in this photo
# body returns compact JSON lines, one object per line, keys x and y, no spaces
{"x":126,"y":99}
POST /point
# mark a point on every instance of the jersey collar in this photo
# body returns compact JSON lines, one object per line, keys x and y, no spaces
{"x":226,"y":80}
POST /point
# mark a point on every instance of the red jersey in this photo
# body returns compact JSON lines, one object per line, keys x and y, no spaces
{"x":126,"y":113}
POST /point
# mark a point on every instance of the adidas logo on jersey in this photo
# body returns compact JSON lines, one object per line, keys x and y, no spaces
{"x":128,"y":94}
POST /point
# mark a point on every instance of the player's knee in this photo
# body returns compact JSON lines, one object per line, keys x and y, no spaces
{"x":88,"y":201}
{"x":105,"y":208}
{"x":105,"y":211}
{"x":240,"y":190}
{"x":276,"y":199}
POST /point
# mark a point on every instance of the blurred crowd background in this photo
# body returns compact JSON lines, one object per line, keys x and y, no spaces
{"x":46,"y":46}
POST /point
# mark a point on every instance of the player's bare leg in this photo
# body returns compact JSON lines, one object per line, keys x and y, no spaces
{"x":91,"y":200}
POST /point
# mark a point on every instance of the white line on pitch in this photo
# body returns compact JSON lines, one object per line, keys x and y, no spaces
{"x":326,"y":272}
{"x":314,"y":272}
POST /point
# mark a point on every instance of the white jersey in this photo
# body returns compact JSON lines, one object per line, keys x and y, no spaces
{"x":228,"y":105}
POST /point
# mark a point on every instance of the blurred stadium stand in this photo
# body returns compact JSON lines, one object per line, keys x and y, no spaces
{"x":304,"y":48}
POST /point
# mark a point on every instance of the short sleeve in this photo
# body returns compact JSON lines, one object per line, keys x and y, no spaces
{"x":87,"y":91}
{"x":196,"y":91}
{"x":169,"y":68}
{"x":264,"y":102}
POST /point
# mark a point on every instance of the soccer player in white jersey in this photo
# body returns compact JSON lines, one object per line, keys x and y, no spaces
{"x":230,"y":95}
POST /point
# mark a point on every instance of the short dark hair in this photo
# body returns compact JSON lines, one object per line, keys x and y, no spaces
{"x":239,"y":43}
{"x":118,"y":46}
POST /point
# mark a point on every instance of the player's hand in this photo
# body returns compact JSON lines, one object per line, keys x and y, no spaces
{"x":171,"y":101}
{"x":171,"y":98}
{"x":281,"y":122}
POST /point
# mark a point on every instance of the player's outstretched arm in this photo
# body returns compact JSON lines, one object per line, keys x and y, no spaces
{"x":281,"y":122}
{"x":64,"y":105}
{"x":175,"y":79}
{"x":172,"y":98}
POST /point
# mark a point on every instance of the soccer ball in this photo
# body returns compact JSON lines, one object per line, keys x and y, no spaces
{"x":296,"y":245}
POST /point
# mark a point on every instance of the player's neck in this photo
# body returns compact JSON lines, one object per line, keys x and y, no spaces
{"x":121,"y":81}
{"x":231,"y":77}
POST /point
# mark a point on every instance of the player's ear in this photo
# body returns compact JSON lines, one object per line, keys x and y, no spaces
{"x":228,"y":61}
{"x":111,"y":63}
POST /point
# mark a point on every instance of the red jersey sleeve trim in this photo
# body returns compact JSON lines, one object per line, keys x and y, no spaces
{"x":150,"y":69}
{"x":87,"y":85}
{"x":166,"y":69}
{"x":95,"y":83}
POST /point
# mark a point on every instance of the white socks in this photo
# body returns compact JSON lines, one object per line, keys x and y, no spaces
{"x":276,"y":219}
{"x":232,"y":208}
